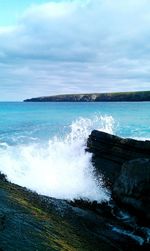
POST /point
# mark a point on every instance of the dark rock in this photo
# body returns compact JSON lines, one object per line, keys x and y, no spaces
{"x":29,"y":221}
{"x":32,"y":222}
{"x":3,"y":177}
{"x":125,"y":166}
{"x":110,"y":152}
{"x":2,"y":221}
{"x":132,"y":187}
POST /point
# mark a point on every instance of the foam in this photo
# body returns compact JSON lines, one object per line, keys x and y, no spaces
{"x":61,"y":168}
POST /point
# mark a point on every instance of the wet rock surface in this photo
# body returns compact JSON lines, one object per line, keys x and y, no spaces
{"x":125,"y":165}
{"x":32,"y":222}
{"x":29,"y":221}
{"x":132,"y":187}
{"x":110,"y":152}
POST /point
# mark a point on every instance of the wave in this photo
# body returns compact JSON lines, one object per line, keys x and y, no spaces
{"x":61,"y":168}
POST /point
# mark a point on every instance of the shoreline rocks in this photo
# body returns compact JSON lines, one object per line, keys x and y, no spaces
{"x":29,"y":221}
{"x":132,"y":187}
{"x":125,"y":164}
{"x":3,"y":177}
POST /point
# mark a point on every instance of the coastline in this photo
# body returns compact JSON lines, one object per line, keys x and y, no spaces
{"x":95,"y":97}
{"x":44,"y":223}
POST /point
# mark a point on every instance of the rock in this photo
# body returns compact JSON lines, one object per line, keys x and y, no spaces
{"x":110,"y":152}
{"x":125,"y":166}
{"x":132,"y":187}
{"x":3,"y":177}
{"x":29,"y":221}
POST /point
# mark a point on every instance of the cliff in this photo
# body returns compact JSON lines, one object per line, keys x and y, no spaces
{"x":95,"y":97}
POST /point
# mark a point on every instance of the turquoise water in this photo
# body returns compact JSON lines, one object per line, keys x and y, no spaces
{"x":24,"y":122}
{"x":42,"y":145}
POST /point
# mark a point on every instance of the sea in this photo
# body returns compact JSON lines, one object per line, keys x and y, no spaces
{"x":42,"y":145}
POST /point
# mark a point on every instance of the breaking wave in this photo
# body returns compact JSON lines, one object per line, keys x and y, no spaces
{"x":59,"y":168}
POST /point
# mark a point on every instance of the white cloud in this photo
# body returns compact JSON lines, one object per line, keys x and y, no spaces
{"x":76,"y":46}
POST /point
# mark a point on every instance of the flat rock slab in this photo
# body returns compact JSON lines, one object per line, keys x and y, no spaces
{"x":37,"y":223}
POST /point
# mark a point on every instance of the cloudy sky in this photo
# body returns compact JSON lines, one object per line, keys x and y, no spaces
{"x":73,"y":46}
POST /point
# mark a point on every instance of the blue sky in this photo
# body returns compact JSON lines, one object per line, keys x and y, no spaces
{"x":73,"y":46}
{"x":10,"y":10}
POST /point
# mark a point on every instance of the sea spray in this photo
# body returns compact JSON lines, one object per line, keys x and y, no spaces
{"x":59,"y":168}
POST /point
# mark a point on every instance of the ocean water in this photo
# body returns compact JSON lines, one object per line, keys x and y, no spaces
{"x":42,"y":145}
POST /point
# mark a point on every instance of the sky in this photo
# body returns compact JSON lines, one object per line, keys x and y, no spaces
{"x":73,"y":46}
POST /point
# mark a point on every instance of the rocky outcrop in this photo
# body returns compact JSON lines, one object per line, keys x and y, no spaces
{"x":29,"y":221}
{"x":132,"y":187}
{"x":3,"y":177}
{"x":110,"y":152}
{"x":125,"y":164}
{"x":95,"y":97}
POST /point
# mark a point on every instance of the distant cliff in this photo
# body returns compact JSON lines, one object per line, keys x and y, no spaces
{"x":95,"y":97}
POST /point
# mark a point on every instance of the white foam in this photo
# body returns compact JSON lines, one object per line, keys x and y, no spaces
{"x":135,"y":237}
{"x":142,"y":138}
{"x":60,"y":169}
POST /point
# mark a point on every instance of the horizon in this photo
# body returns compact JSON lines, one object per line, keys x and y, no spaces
{"x":52,"y":47}
{"x":70,"y":94}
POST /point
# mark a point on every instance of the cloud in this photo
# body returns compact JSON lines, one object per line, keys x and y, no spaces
{"x":76,"y":46}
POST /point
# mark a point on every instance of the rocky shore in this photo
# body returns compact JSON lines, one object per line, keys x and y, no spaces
{"x":29,"y":221}
{"x":125,"y":165}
